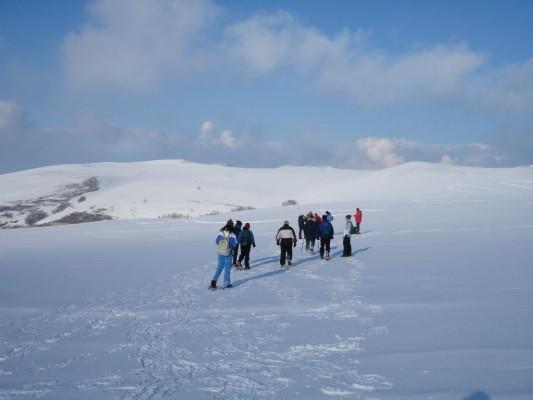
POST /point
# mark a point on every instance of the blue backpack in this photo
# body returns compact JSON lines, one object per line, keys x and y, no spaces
{"x":326,"y":229}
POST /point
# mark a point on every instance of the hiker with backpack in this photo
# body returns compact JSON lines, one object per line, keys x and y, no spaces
{"x":346,"y":243}
{"x":311,"y":232}
{"x":226,"y":243}
{"x":246,"y":241}
{"x":286,"y":239}
{"x":358,"y":218}
{"x":238,"y":228}
{"x":326,"y":234}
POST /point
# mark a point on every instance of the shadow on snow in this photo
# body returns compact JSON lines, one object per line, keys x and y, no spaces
{"x":268,"y":260}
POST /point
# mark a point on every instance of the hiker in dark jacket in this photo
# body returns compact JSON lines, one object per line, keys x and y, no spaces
{"x":246,"y":241}
{"x":237,"y":228}
{"x":286,"y":239}
{"x":301,"y":223}
{"x":311,"y":232}
{"x":326,"y":234}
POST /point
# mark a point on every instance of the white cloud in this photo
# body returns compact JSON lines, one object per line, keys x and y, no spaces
{"x":261,"y":42}
{"x":208,"y":137}
{"x":509,"y":88}
{"x":388,"y":152}
{"x":377,"y":78}
{"x":133,"y":44}
{"x":344,"y":63}
{"x":446,"y":159}
{"x":139,"y":43}
{"x":228,"y":139}
{"x":347,"y":63}
{"x":207,"y":127}
{"x":381,"y":151}
{"x":206,"y":131}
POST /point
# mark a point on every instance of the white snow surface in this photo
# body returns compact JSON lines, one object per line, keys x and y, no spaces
{"x":436,"y":302}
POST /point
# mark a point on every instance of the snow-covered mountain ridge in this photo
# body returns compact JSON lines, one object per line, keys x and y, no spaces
{"x":176,"y":188}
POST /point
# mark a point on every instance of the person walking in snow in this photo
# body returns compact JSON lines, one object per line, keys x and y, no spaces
{"x":311,"y":232}
{"x":238,"y":228}
{"x":226,"y":243}
{"x":358,"y":218}
{"x":346,"y":244}
{"x":301,"y":223}
{"x":286,"y":239}
{"x":246,"y":241}
{"x":326,"y":234}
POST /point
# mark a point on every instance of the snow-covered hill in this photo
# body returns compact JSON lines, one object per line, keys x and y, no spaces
{"x":435,"y":303}
{"x":179,"y":189}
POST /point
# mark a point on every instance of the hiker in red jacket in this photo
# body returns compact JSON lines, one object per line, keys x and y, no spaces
{"x":358,"y":218}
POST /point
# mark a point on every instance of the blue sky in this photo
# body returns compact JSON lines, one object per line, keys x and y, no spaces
{"x":356,"y":84}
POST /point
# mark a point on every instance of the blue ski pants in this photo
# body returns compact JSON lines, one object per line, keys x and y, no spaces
{"x":224,"y":263}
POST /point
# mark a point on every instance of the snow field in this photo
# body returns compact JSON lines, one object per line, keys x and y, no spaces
{"x":170,"y":336}
{"x":434,"y":304}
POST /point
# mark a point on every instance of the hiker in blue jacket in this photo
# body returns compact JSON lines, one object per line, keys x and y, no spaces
{"x":326,"y":234}
{"x":246,"y":241}
{"x":226,"y":244}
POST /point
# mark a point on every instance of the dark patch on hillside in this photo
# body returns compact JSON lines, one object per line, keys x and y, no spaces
{"x":33,"y":210}
{"x":79,"y":218}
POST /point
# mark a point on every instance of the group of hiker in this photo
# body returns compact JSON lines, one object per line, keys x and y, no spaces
{"x":233,"y":237}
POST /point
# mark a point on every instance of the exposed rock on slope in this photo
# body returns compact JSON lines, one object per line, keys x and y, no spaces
{"x":30,"y":212}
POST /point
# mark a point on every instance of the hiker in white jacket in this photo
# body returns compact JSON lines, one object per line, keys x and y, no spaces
{"x":286,"y":239}
{"x":346,"y":244}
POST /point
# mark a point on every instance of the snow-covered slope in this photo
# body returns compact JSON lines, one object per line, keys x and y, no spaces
{"x":175,"y":188}
{"x":436,"y":302}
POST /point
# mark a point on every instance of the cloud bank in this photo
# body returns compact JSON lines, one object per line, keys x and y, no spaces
{"x":90,"y":139}
{"x":141,"y":43}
